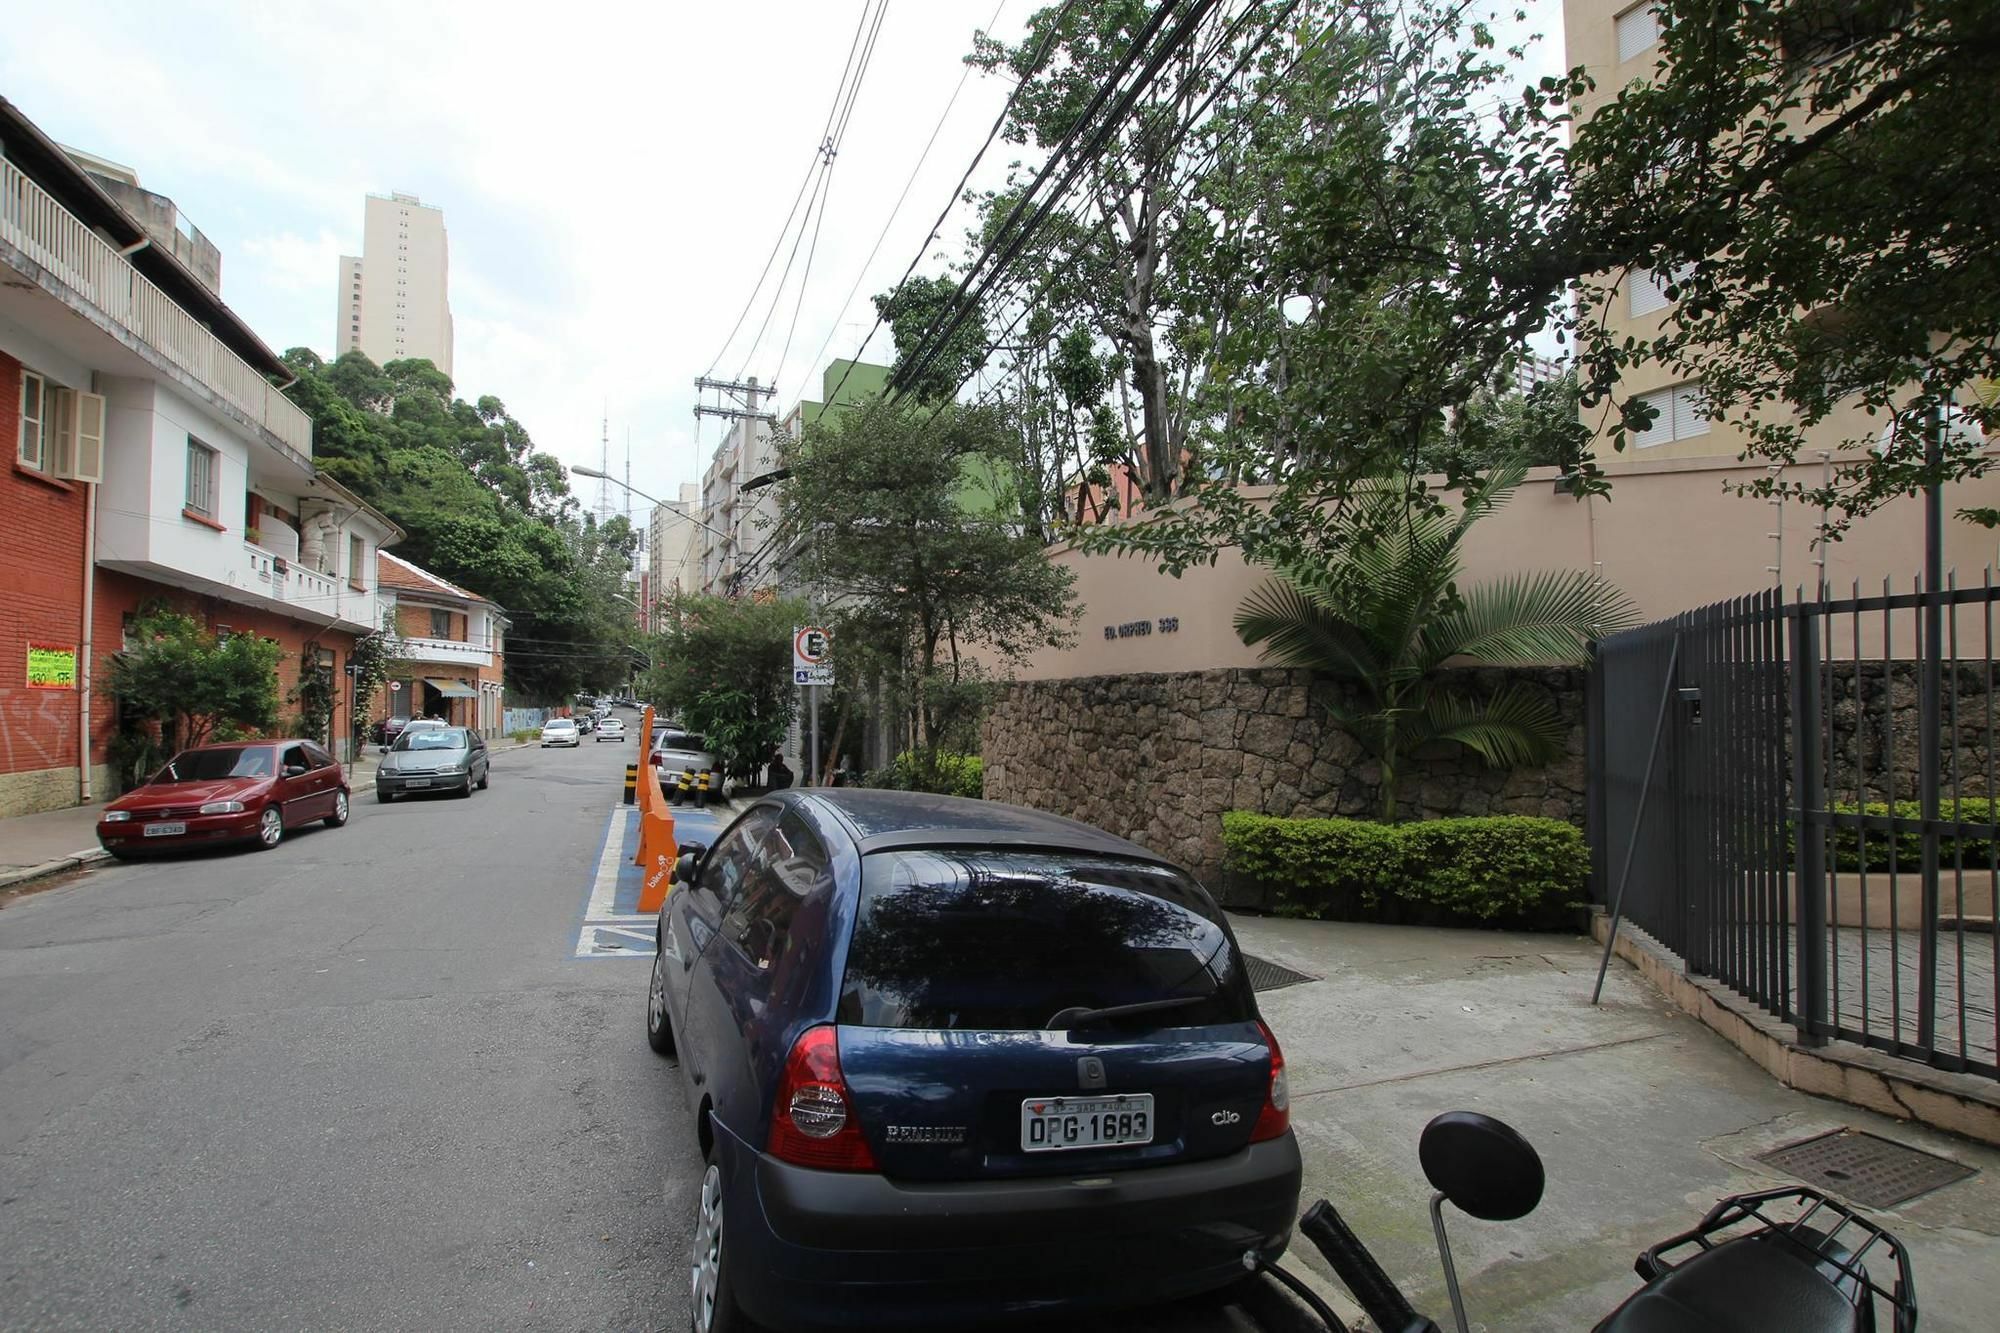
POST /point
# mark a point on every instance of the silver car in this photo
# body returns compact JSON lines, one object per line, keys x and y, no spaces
{"x":676,"y":752}
{"x":428,"y":759}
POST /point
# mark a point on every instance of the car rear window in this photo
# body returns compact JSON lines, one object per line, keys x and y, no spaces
{"x":992,"y":940}
{"x":681,"y":740}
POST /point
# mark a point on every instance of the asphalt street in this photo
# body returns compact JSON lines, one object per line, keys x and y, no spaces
{"x":362,"y":1081}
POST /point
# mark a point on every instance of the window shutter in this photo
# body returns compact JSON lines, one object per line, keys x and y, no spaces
{"x":1662,"y":429}
{"x":84,"y":445}
{"x":1638,"y":30}
{"x":1688,"y":418}
{"x":1644,"y":293}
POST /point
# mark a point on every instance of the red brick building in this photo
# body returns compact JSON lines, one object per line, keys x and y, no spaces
{"x":450,"y":654}
{"x":151,"y":455}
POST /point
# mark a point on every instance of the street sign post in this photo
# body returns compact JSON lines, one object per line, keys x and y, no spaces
{"x":811,"y":670}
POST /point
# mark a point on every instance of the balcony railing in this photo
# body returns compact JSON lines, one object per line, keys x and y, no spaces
{"x":39,"y":227}
{"x":454,"y":651}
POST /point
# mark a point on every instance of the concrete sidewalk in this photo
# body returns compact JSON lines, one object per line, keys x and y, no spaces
{"x":1643,"y":1118}
{"x":55,"y":840}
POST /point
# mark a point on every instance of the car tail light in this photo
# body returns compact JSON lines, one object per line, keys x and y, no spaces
{"x":1276,"y":1117}
{"x":812,"y":1119}
{"x":659,"y":761}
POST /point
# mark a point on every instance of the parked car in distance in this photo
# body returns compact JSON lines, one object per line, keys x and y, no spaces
{"x":675,"y":751}
{"x":242,"y":791}
{"x":955,"y":1059}
{"x":452,"y":759}
{"x":388,"y":729}
{"x":611,"y":729}
{"x":585,"y":723}
{"x":560,"y":731}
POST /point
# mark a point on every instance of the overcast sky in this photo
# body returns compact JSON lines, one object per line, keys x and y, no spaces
{"x":612,"y":176}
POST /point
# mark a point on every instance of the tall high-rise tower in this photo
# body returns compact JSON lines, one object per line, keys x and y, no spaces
{"x":394,"y":299}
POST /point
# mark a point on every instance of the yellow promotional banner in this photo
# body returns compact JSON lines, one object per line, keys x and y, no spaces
{"x":51,"y":666}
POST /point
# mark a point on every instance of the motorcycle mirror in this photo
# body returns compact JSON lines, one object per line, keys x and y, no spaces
{"x":1486,"y":1168}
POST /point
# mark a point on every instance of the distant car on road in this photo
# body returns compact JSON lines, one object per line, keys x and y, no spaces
{"x":560,"y":731}
{"x":953,"y":1057}
{"x":427,"y":759}
{"x":250,"y":791}
{"x":388,"y":729}
{"x":611,"y":729}
{"x":585,"y":723}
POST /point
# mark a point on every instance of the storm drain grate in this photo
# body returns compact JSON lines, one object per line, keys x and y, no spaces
{"x":1267,"y":975}
{"x":1861,"y":1168}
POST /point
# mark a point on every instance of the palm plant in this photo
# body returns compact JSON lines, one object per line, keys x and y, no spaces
{"x":1387,"y":616}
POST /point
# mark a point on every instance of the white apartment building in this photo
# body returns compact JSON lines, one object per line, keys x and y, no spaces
{"x":674,"y":547}
{"x":736,"y":557}
{"x":394,"y":299}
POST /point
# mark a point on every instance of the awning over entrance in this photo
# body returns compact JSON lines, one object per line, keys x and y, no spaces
{"x":451,"y":689}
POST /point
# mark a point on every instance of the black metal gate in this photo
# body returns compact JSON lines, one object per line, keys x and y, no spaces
{"x":1745,"y":749}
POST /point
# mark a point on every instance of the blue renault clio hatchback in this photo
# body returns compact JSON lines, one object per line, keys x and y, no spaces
{"x":954,"y":1059}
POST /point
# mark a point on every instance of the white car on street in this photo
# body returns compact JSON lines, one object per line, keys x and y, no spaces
{"x":611,"y":729}
{"x":560,"y":731}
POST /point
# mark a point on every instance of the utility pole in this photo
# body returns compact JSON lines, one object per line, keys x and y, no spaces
{"x":743,"y":397}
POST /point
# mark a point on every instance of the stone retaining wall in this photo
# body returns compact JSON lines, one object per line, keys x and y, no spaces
{"x":1159,"y":758}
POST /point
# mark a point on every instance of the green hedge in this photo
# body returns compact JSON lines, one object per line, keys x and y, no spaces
{"x":1503,"y":870}
{"x":945,"y":773}
{"x":1909,"y":845}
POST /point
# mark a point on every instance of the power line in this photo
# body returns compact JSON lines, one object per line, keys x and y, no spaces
{"x":896,"y":210}
{"x":999,"y":122}
{"x":829,"y":149}
{"x":963,"y":307}
{"x":826,"y":188}
{"x":785,"y":230}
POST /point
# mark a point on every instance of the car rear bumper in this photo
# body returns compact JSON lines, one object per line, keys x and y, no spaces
{"x":833,"y":1249}
{"x":130,"y":835}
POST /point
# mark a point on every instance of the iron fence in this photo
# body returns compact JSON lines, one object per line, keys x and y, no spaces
{"x":1797,"y":798}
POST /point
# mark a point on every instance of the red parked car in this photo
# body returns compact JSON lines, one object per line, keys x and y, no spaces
{"x":240,"y":791}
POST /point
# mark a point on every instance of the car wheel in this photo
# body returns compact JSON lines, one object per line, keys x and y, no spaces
{"x":339,"y":815}
{"x":659,"y":1026}
{"x":714,"y":1303}
{"x":465,"y":793}
{"x":485,"y":778}
{"x":270,"y":828}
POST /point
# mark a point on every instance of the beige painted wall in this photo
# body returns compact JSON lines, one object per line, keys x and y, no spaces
{"x":1669,"y":536}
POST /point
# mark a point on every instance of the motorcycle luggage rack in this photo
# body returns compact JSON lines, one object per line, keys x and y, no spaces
{"x":1815,"y":1232}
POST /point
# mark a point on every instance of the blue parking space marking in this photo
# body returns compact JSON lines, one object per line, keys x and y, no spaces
{"x":611,"y":925}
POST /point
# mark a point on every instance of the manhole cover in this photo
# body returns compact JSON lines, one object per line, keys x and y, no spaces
{"x":1267,"y":975}
{"x":1861,"y":1168}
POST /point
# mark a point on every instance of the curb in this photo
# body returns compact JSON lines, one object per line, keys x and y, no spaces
{"x":1901,"y":1089}
{"x":74,"y":861}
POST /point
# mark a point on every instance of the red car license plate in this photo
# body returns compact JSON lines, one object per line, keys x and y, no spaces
{"x":166,"y":830}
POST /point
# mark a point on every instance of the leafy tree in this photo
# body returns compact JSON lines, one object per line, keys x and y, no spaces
{"x":1816,"y":179}
{"x":875,"y":507}
{"x":1386,"y":616}
{"x":724,"y":668}
{"x":911,"y":311}
{"x":482,"y":508}
{"x":189,"y":686}
{"x":1149,"y":271}
{"x":371,"y":658}
{"x":1543,"y":427}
